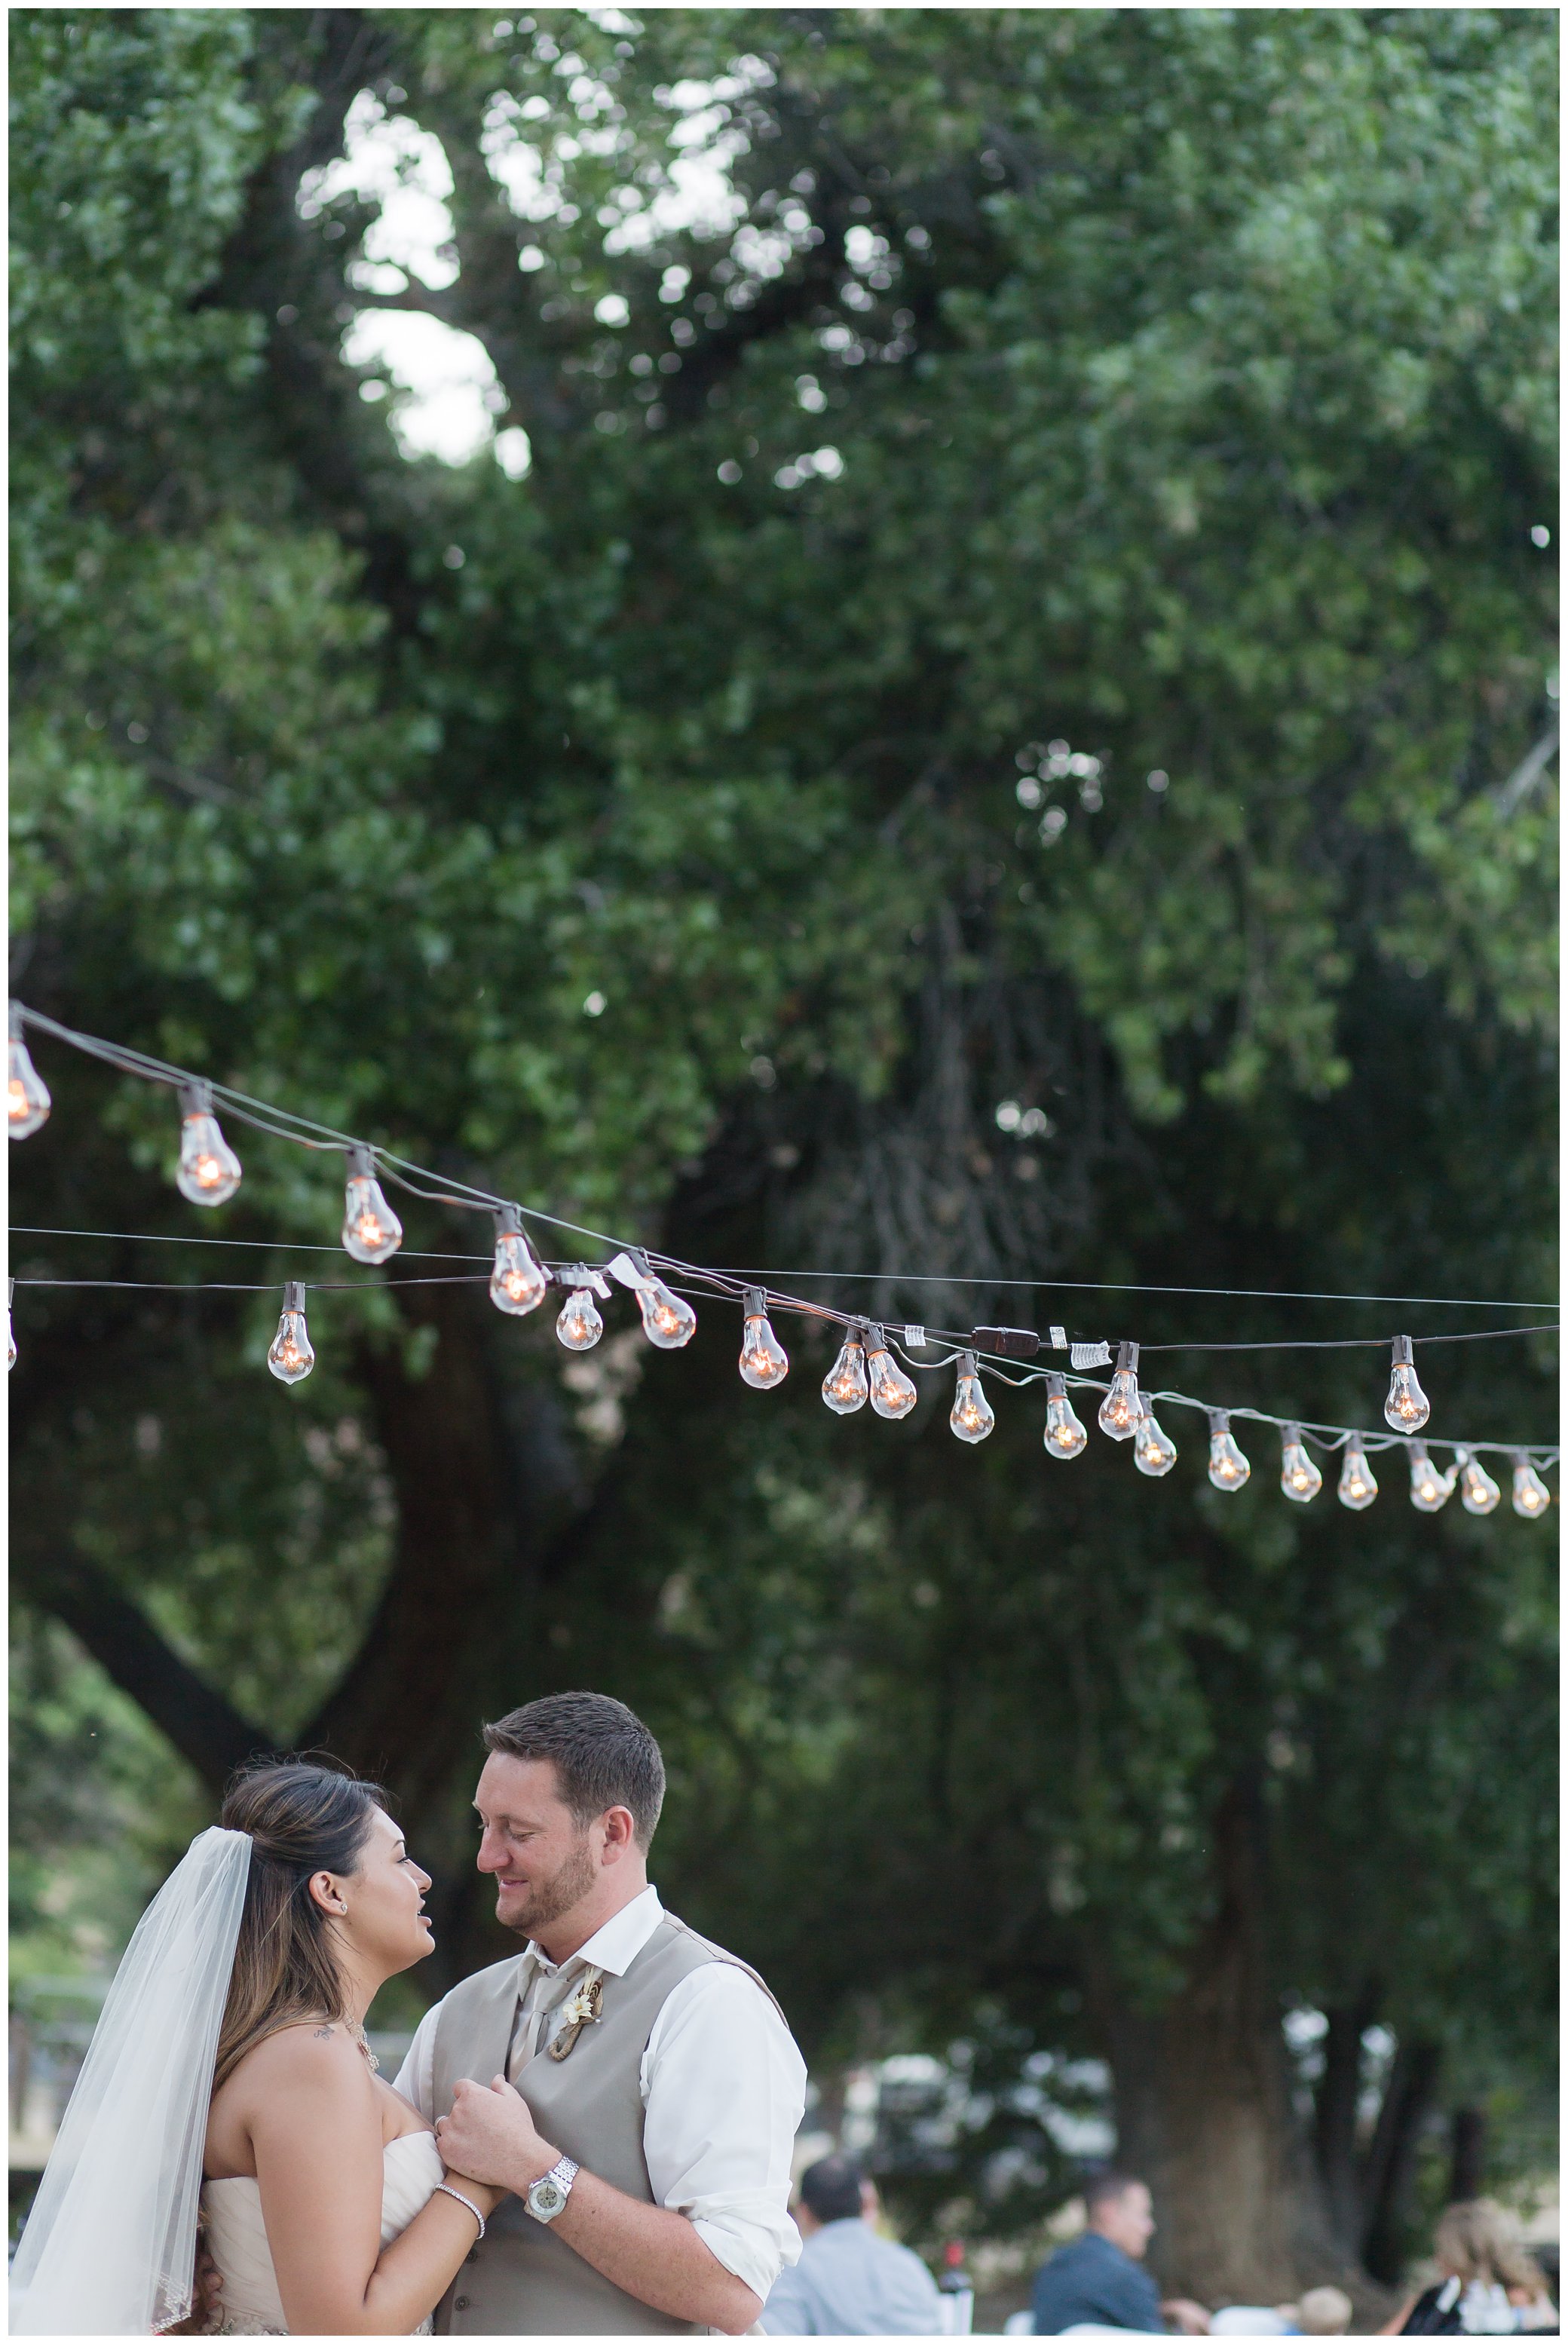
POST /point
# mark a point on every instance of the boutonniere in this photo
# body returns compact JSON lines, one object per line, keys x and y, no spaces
{"x":582,"y":2008}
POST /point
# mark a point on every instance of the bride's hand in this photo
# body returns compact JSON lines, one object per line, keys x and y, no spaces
{"x":484,"y":2196}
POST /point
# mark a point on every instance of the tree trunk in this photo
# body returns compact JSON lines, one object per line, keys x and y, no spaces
{"x":1468,"y":2148}
{"x":1390,"y":2160}
{"x":1204,"y":2112}
{"x":1335,"y":2121}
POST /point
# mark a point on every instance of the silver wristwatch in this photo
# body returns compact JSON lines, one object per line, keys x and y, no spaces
{"x":549,"y":2193}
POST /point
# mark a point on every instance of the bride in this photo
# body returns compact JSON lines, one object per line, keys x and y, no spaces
{"x":229,"y":2079}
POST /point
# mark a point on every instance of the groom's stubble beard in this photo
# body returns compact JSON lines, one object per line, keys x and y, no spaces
{"x":548,"y":1900}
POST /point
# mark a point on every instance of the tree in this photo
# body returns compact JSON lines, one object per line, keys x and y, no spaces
{"x":1177,"y":394}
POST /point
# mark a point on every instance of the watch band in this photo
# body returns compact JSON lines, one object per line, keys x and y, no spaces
{"x":546,"y":2196}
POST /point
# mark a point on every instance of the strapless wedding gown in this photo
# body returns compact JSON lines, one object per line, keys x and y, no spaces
{"x":249,"y":2302}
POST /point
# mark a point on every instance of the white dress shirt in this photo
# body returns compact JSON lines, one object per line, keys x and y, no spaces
{"x":723,"y":2083}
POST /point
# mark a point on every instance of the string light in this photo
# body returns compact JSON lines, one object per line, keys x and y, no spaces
{"x":1065,"y":1436}
{"x":291,"y":1357}
{"x":1228,"y":1469}
{"x":1430,"y":1490}
{"x":579,"y":1326}
{"x":10,"y":1330}
{"x":371,"y":1230}
{"x":1153,"y":1451}
{"x":27,"y":1099}
{"x":517,"y":1283}
{"x":892,"y":1394}
{"x":971,"y":1419}
{"x":1531,"y":1495}
{"x":209,"y":1169}
{"x":667,"y":1321}
{"x":1299,"y":1476}
{"x":1357,"y":1486}
{"x":1118,"y":1411}
{"x":1407,"y":1407}
{"x":844,"y":1387}
{"x":1478,"y":1493}
{"x":765,"y":1362}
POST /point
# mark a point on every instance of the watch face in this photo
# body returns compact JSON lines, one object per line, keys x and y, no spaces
{"x":549,"y":2196}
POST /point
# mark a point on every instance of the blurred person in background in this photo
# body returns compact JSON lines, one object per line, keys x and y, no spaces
{"x":1326,"y":2311}
{"x":1099,"y":2279}
{"x":848,"y":2280}
{"x":1490,"y":2283}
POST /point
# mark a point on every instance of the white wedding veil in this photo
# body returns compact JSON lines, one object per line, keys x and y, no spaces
{"x":109,"y":2248}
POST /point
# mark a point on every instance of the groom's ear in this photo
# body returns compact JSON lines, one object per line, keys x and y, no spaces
{"x":620,"y":1831}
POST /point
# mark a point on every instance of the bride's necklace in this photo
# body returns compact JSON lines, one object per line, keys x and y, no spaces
{"x":358,"y":2032}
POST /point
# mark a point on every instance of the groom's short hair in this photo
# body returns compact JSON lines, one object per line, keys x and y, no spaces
{"x":603,"y":1754}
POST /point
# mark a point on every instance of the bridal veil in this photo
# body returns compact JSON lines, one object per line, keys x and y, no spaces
{"x":109,"y":2248}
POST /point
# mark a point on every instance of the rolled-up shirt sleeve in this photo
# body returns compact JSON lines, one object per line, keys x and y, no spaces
{"x":723,"y":2091}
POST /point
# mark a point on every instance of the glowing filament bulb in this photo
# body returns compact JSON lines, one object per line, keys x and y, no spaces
{"x":1065,"y":1436}
{"x":1430,"y":1490}
{"x":1531,"y":1495}
{"x":1154,"y":1451}
{"x":1121,"y":1406}
{"x":10,"y":1331}
{"x":1478,"y":1493}
{"x":27,"y":1098}
{"x":1357,"y":1488}
{"x":667,"y":1321}
{"x":579,"y":1326}
{"x":1299,"y":1476}
{"x":892,"y":1394}
{"x":208,"y":1170}
{"x":1407,"y":1407}
{"x":765,"y":1362}
{"x":371,"y":1230}
{"x":291,"y":1357}
{"x":517,"y":1283}
{"x":971,"y":1419}
{"x":844,"y":1387}
{"x":1228,"y":1469}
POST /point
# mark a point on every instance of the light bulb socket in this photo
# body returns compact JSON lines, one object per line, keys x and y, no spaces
{"x":196,"y":1099}
{"x":1219,"y":1422}
{"x":1418,"y":1453}
{"x":293,"y":1295}
{"x":1056,"y":1386}
{"x":756,"y":1305}
{"x":361,"y":1160}
{"x":1126,"y":1358}
{"x":966,"y":1364}
{"x":1404,"y":1357}
{"x":1291,"y":1435}
{"x":873,"y":1338}
{"x":18,"y":1021}
{"x":508,"y":1221}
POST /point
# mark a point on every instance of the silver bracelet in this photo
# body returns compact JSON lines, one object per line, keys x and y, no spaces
{"x":473,"y":2209}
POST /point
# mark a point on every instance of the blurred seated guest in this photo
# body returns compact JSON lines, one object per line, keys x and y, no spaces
{"x":1251,"y":2319}
{"x":1489,"y":2283}
{"x":1326,"y":2311}
{"x":848,"y":2281}
{"x":1099,"y":2281}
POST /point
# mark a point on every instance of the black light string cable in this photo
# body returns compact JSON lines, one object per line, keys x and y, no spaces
{"x":747,"y":1290}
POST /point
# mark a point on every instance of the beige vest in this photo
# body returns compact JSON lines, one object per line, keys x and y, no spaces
{"x":522,"y":2279}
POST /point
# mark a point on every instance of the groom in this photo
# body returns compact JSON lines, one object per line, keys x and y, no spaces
{"x":634,"y":2086}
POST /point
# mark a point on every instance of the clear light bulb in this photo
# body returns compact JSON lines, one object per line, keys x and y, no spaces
{"x":844,"y":1387}
{"x":10,"y":1330}
{"x":1357,"y":1486}
{"x":1065,"y":1436}
{"x":667,"y":1321}
{"x":579,"y":1326}
{"x":517,"y":1283}
{"x":1228,"y":1469}
{"x":1478,"y":1493}
{"x":1153,"y":1451}
{"x":1531,"y":1495}
{"x":892,"y":1393}
{"x":27,"y":1095}
{"x":371,"y":1230}
{"x":1430,"y":1490}
{"x":1299,"y":1476}
{"x":765,"y":1362}
{"x":291,"y":1357}
{"x":971,"y":1419}
{"x":209,"y":1169}
{"x":1121,"y":1406}
{"x":1407,"y":1407}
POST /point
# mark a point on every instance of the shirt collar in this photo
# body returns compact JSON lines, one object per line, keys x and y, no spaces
{"x":612,"y":1949}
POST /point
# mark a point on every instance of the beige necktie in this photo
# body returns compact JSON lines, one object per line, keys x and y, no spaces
{"x":548,"y":1993}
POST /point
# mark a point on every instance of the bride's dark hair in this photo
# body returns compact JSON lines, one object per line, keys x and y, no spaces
{"x":302,"y":1817}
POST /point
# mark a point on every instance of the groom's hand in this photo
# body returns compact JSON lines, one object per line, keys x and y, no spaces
{"x":490,"y":2135}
